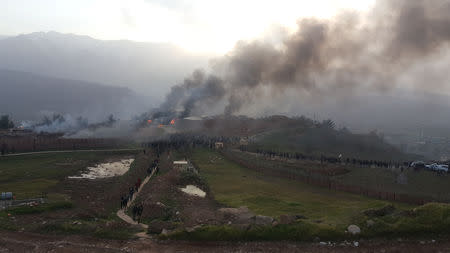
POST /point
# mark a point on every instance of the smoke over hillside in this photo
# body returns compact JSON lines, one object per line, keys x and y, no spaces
{"x":322,"y":57}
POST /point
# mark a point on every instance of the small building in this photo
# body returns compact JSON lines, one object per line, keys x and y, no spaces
{"x":219,"y":145}
{"x":184,"y":166}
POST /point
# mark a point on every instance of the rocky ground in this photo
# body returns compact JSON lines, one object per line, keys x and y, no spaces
{"x":26,"y":242}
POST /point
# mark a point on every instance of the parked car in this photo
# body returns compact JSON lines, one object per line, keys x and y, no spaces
{"x":437,"y":167}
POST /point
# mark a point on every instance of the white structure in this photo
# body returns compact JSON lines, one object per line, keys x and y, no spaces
{"x":184,"y":165}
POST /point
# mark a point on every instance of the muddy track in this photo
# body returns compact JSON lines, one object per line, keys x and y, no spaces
{"x":27,"y":242}
{"x":121,"y":212}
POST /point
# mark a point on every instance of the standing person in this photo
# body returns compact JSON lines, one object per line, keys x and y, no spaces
{"x":131,"y":193}
{"x":134,"y":211}
{"x":140,"y":209}
{"x":125,"y":201}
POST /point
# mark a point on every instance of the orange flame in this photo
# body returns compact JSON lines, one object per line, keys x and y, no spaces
{"x":172,"y":122}
{"x":149,"y":121}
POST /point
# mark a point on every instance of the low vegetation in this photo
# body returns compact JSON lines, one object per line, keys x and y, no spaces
{"x":30,"y":176}
{"x":72,"y":206}
{"x":235,"y":186}
{"x":326,"y":214}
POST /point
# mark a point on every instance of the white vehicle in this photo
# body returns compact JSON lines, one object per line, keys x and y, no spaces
{"x":437,"y":167}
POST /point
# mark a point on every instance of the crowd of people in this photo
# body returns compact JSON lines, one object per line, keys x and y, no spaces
{"x":181,"y":141}
{"x":328,"y":159}
{"x":126,"y":199}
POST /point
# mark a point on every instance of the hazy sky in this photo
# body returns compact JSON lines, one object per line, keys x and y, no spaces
{"x":207,"y":26}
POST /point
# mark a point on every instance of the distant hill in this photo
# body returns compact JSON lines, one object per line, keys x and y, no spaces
{"x":149,"y":68}
{"x":25,"y":96}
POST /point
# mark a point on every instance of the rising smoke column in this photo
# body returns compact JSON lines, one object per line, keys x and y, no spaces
{"x":323,"y":57}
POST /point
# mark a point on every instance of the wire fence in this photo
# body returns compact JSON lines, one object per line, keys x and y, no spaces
{"x":325,"y":182}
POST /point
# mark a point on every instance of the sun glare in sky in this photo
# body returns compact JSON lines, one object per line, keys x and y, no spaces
{"x":201,"y":26}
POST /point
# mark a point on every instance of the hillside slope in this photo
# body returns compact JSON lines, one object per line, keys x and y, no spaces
{"x":144,"y":67}
{"x":330,"y":142}
{"x":25,"y":96}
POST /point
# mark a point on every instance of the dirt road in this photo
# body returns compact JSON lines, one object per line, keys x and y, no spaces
{"x":25,"y":242}
{"x":70,"y":151}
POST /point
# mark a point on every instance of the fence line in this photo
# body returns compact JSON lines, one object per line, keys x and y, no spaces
{"x":330,"y":184}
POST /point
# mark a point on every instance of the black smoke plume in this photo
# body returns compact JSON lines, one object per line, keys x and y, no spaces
{"x":322,"y":57}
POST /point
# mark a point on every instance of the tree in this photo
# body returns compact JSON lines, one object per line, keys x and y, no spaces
{"x":5,"y":122}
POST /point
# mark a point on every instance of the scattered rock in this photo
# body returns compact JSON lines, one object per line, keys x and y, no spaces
{"x":370,"y":223}
{"x":353,"y":229}
{"x":287,"y":219}
{"x":76,"y":223}
{"x":389,"y":209}
{"x":263,"y":220}
{"x":165,"y":231}
{"x":192,"y":229}
{"x":323,"y":243}
{"x":241,"y":215}
{"x":356,"y":244}
{"x":156,"y":226}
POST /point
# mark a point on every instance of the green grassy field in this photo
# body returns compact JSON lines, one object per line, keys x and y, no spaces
{"x":422,"y":183}
{"x":30,"y":175}
{"x":235,"y":186}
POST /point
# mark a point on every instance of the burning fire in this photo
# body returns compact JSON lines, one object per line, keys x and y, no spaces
{"x":172,"y":122}
{"x":149,"y":121}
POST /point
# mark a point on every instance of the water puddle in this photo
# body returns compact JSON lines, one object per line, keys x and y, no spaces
{"x":105,"y":170}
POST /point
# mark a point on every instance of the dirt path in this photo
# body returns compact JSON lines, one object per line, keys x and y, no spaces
{"x":121,"y":213}
{"x":71,"y":151}
{"x":28,"y":242}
